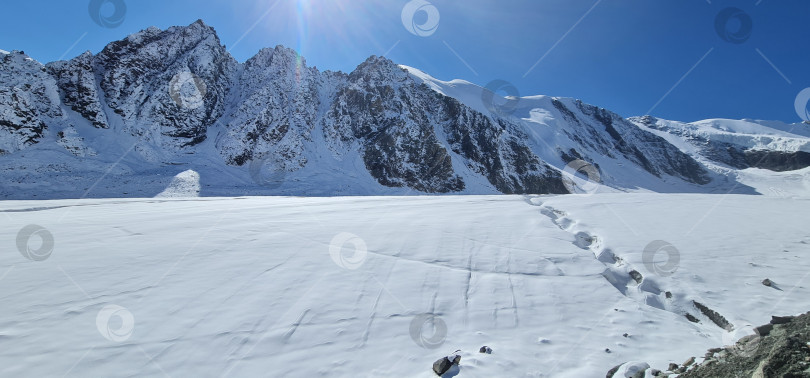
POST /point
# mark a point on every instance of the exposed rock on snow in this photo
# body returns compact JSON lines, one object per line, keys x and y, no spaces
{"x":444,"y":364}
{"x":779,"y":349}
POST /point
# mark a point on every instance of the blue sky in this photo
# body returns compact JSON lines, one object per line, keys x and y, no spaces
{"x":634,"y":57}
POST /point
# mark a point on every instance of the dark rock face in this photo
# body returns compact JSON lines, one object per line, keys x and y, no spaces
{"x":735,"y":157}
{"x":78,"y":85}
{"x":618,"y":136}
{"x":495,"y":149}
{"x":783,"y":352}
{"x":778,"y":161}
{"x":136,"y":74}
{"x":781,"y":319}
{"x":726,"y":153}
{"x":277,"y":109}
{"x":390,"y":116}
{"x":29,"y":100}
{"x":397,"y":121}
{"x":715,"y":317}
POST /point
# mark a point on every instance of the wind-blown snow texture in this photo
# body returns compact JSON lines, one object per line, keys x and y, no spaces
{"x":249,"y":287}
{"x":124,"y":122}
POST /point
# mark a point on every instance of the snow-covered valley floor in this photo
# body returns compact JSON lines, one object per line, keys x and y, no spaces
{"x":384,"y":286}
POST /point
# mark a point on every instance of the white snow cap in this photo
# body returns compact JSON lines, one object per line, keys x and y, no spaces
{"x":4,"y":52}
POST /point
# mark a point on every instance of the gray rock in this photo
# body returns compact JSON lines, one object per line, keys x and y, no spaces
{"x":714,"y":316}
{"x":485,"y":349}
{"x":767,"y":282}
{"x":781,"y":319}
{"x":613,"y":371}
{"x":444,"y":364}
{"x":764,"y":330}
{"x":782,"y":353}
{"x":672,"y":367}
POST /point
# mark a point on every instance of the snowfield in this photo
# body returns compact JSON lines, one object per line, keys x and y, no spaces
{"x":557,"y":286}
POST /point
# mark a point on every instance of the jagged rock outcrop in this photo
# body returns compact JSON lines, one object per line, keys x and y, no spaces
{"x":780,"y":348}
{"x":277,"y":101}
{"x":29,"y":101}
{"x":784,"y":351}
{"x":391,"y":119}
{"x":78,"y":85}
{"x":139,"y":73}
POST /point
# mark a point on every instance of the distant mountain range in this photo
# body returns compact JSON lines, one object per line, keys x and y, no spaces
{"x":125,"y":122}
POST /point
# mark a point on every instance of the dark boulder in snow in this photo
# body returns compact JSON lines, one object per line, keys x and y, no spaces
{"x":444,"y":364}
{"x":636,"y":276}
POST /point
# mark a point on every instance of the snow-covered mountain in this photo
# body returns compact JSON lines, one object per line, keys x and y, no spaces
{"x":128,"y":120}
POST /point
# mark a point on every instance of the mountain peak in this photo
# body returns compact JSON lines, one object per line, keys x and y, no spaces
{"x":377,"y":68}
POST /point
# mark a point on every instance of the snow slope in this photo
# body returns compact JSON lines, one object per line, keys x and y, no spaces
{"x":339,"y":287}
